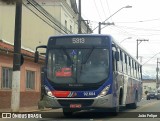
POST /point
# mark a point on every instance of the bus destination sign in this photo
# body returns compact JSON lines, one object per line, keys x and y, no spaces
{"x":79,"y":41}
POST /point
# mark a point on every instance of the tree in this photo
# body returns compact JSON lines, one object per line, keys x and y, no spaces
{"x":146,"y":92}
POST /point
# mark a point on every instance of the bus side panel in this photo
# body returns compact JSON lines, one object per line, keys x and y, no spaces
{"x":115,"y":89}
{"x":125,"y":88}
{"x":134,"y":87}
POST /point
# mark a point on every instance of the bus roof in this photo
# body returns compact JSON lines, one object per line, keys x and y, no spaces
{"x":99,"y":35}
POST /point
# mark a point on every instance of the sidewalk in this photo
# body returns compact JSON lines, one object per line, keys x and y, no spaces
{"x":32,"y":109}
{"x":23,"y":109}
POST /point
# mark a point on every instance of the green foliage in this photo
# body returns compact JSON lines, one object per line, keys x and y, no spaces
{"x":146,"y":92}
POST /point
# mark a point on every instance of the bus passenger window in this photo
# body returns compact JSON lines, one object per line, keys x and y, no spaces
{"x":133,"y":69}
{"x":121,"y":58}
{"x":126,"y":64}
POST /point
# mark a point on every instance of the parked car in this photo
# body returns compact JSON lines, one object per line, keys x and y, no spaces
{"x":151,"y":95}
{"x":158,"y":94}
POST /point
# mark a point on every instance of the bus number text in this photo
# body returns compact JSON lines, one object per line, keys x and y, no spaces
{"x":78,"y":40}
{"x":89,"y":93}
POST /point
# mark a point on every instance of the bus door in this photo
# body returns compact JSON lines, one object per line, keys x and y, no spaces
{"x":125,"y":78}
{"x":125,"y":83}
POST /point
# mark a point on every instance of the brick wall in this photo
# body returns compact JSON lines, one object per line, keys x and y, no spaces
{"x":27,"y":99}
{"x":5,"y":99}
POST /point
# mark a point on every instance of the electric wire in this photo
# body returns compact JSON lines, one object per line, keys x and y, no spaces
{"x":150,"y":58}
{"x":103,"y":9}
{"x":141,"y":29}
{"x":126,"y":32}
{"x":108,"y":9}
{"x":141,"y":21}
{"x":42,"y":18}
{"x":97,"y":9}
{"x":45,"y":14}
{"x":148,"y":47}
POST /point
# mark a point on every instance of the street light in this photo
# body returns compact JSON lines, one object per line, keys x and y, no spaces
{"x":125,"y":39}
{"x":128,"y":6}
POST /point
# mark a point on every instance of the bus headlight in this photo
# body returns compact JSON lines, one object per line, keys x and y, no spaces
{"x":48,"y":91}
{"x":104,"y":91}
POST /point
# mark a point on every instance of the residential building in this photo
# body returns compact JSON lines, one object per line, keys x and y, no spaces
{"x":30,"y":77}
{"x":149,"y":85}
{"x":59,"y":17}
{"x":46,"y":18}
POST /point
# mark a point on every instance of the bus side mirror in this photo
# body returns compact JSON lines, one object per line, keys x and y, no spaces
{"x":117,"y":56}
{"x":36,"y":56}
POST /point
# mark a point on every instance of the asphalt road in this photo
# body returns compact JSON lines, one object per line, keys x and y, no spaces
{"x":148,"y":110}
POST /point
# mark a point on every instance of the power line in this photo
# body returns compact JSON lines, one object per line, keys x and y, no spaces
{"x":103,"y":8}
{"x":150,"y":58}
{"x":48,"y":16}
{"x":108,"y":8}
{"x":141,"y":29}
{"x":42,"y":18}
{"x":44,"y":12}
{"x":136,"y":35}
{"x":97,"y":9}
{"x":126,"y":32}
{"x":141,"y":21}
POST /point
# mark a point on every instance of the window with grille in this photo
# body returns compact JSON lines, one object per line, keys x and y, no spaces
{"x":6,"y":78}
{"x":30,"y":80}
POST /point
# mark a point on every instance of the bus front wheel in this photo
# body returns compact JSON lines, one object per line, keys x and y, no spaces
{"x":67,"y":112}
{"x":115,"y":111}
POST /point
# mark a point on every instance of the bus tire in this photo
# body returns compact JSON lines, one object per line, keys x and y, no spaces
{"x":120,"y":96}
{"x":67,"y":112}
{"x":115,"y":111}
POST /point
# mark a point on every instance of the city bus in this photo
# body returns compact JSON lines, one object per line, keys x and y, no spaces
{"x":88,"y":71}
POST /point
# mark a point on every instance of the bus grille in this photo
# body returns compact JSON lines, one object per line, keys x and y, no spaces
{"x":82,"y":102}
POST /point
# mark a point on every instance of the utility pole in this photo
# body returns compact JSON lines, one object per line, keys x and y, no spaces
{"x":157,"y":78}
{"x":138,"y":42}
{"x":87,"y":21}
{"x":103,"y":23}
{"x":15,"y":98}
{"x":99,"y":30}
{"x":79,"y":19}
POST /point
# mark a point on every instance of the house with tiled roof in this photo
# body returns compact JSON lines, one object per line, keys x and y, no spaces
{"x":48,"y":18}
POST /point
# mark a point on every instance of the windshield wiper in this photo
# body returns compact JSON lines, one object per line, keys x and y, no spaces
{"x":87,"y":56}
{"x":65,"y":52}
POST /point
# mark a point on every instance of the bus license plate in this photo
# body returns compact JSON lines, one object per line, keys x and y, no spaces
{"x":75,"y":105}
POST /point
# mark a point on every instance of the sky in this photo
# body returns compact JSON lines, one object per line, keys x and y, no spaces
{"x":141,"y":22}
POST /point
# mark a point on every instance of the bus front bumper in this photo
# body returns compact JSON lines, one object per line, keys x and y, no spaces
{"x":97,"y":102}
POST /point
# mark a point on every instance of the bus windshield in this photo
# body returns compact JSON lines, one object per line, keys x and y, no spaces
{"x":77,"y":65}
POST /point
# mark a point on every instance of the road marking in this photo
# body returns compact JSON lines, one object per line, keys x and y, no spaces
{"x":147,"y":105}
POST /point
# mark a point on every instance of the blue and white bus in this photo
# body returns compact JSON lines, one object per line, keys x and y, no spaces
{"x":87,"y":71}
